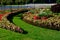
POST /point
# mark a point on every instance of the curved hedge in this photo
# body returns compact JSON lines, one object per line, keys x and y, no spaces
{"x":51,"y":22}
{"x":6,"y":21}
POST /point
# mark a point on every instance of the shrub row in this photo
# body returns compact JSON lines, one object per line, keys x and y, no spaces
{"x":5,"y":23}
{"x":51,"y":23}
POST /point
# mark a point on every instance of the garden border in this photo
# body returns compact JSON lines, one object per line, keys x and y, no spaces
{"x":7,"y":24}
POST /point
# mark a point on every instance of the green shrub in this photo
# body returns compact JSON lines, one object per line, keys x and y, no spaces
{"x":45,"y":13}
{"x":42,"y":14}
{"x":32,"y":11}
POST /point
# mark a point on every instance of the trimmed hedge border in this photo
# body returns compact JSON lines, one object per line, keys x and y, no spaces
{"x":46,"y":24}
{"x":7,"y":24}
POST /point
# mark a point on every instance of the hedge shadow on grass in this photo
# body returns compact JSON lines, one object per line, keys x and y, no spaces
{"x":11,"y":15}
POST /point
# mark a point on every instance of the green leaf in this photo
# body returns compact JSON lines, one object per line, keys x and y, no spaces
{"x":32,"y":11}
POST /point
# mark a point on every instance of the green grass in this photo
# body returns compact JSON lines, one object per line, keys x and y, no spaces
{"x":34,"y":32}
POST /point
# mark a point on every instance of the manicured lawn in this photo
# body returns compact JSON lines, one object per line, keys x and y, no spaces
{"x":34,"y":32}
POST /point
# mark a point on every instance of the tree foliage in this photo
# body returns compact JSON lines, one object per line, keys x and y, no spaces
{"x":8,"y":2}
{"x":58,"y":1}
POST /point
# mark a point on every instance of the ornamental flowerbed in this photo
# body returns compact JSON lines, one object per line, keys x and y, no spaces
{"x":43,"y":17}
{"x":7,"y":24}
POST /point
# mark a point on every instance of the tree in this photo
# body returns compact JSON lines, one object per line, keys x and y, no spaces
{"x":1,"y":1}
{"x":8,"y":2}
{"x":18,"y":2}
{"x":34,"y":1}
{"x":4,"y":2}
{"x":58,"y":1}
{"x":27,"y":1}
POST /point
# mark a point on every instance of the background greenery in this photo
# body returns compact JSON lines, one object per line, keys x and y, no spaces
{"x":12,"y":2}
{"x":58,"y":1}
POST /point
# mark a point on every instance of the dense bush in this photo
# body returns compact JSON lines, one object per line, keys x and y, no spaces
{"x":55,"y":8}
{"x":45,"y":13}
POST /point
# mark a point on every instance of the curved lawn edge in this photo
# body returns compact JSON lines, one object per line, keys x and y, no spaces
{"x":7,"y":24}
{"x":35,"y":32}
{"x":53,"y":24}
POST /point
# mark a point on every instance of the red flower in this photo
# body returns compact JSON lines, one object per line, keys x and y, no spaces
{"x":1,"y":16}
{"x":35,"y":17}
